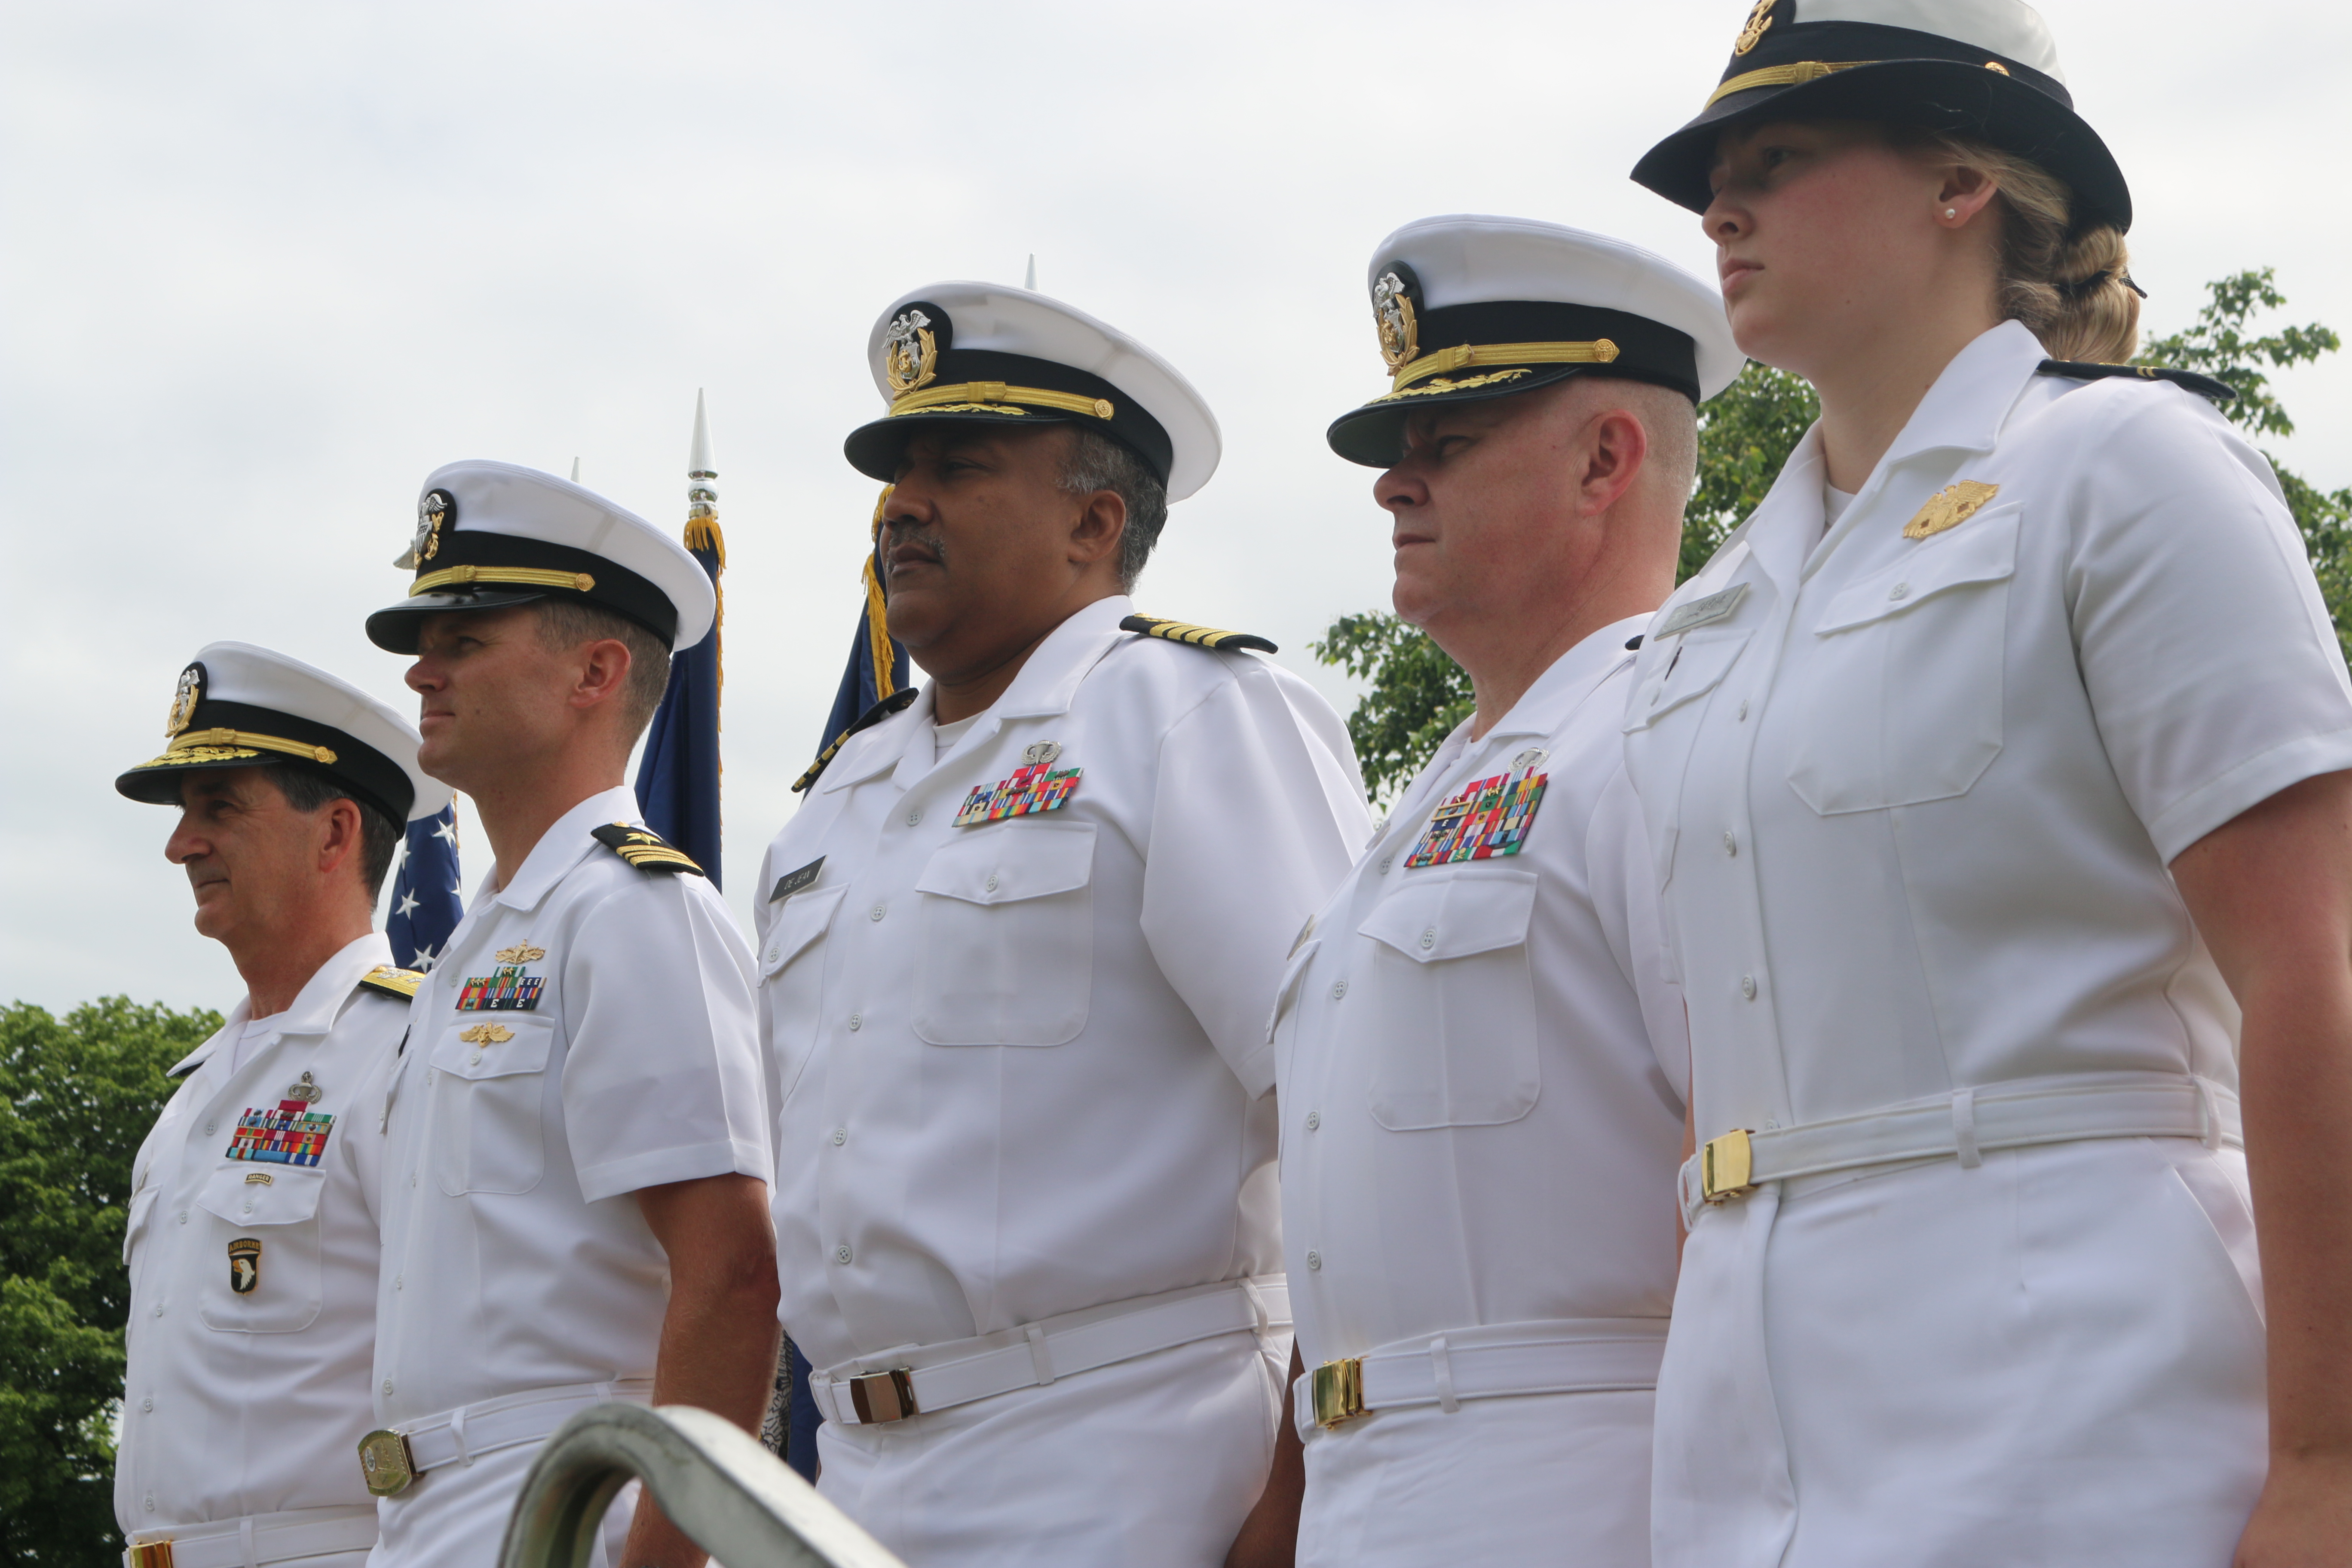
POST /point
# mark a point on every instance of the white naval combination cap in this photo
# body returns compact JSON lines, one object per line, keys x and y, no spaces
{"x":491,"y":534}
{"x":993,"y":354}
{"x":238,"y":706}
{"x":1468,"y":307}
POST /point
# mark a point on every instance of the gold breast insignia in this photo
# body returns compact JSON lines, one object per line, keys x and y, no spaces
{"x":486,"y":1034}
{"x":521,"y":952}
{"x":1948,"y":507}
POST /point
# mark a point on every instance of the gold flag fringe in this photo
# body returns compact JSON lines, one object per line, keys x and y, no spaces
{"x":877,"y":611}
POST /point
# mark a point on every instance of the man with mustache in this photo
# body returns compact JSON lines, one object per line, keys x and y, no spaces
{"x":252,"y":1239}
{"x":1482,"y":1056}
{"x":1017,"y":950}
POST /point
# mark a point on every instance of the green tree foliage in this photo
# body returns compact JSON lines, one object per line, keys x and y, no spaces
{"x":1417,"y":695}
{"x":77,"y":1096}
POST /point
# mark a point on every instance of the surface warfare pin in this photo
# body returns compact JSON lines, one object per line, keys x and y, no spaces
{"x":1035,"y":785}
{"x":244,"y":1264}
{"x":1489,"y":817}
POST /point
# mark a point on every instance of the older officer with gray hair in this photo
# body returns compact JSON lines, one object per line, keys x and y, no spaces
{"x":252,"y":1239}
{"x":1480,"y":1050}
{"x":1017,"y":950}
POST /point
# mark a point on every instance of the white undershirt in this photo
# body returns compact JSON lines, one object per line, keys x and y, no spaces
{"x":253,"y":1033}
{"x":1834,"y":504}
{"x":945,"y":736}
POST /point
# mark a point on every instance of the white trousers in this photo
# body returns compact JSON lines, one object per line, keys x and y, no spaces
{"x":2054,"y":1358}
{"x":455,"y":1516}
{"x":1547,"y":1478}
{"x":1152,"y":1463}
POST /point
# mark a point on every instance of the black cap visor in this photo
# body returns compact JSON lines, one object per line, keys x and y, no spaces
{"x":395,"y":627}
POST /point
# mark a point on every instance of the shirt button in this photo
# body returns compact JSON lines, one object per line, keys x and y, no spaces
{"x":1747,"y":986}
{"x":475,"y":1060}
{"x":210,"y":1127}
{"x":1313,"y":1260}
{"x":772,"y":954}
{"x":147,"y":1404}
{"x":1743,"y":709}
{"x":248,"y":1205}
{"x":840,"y":1255}
{"x":1900,"y":591}
{"x":158,"y":1312}
{"x":840,"y":1136}
{"x":400,"y":1281}
{"x":878,"y":912}
{"x":183,"y":1216}
{"x":1338,"y":989}
{"x":1313,"y":1120}
{"x":387,"y":1385}
{"x":1731,"y":842}
{"x":915,"y":817}
{"x":856,"y":1021}
{"x":151,"y":1503}
{"x":1387,"y":861}
{"x":991,"y":883}
{"x":1429,"y":938}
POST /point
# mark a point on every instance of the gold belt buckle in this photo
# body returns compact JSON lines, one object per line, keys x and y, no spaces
{"x":880,"y":1397}
{"x":1725,"y":1165}
{"x":152,"y":1555}
{"x":1338,"y":1390}
{"x":387,"y":1463}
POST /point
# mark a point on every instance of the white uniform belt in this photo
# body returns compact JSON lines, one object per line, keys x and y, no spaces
{"x":920,"y":1379}
{"x":1965,"y":1125}
{"x":255,"y":1541}
{"x":1493,"y":1361}
{"x":460,"y":1436}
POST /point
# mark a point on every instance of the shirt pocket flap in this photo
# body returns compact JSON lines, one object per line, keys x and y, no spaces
{"x":1691,"y":671}
{"x":1005,"y":865}
{"x":1455,"y":918}
{"x":1288,"y":991}
{"x":244,"y":1194}
{"x":1981,"y":550}
{"x":134,"y":1225}
{"x":802,"y":919}
{"x":494,"y":1045}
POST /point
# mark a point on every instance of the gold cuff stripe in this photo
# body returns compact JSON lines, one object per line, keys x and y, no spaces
{"x":518,"y":576}
{"x":1601,"y":351}
{"x":194,"y":740}
{"x":1787,"y":76}
{"x":969,"y":392}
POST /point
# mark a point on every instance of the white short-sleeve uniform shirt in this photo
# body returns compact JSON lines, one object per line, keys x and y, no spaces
{"x":1480,"y":1065}
{"x":587,"y":1032}
{"x":245,"y":1388}
{"x":1023,"y":1067}
{"x":1911,"y":802}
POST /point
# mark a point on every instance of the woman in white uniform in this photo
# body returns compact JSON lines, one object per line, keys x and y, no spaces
{"x":1993,"y":766}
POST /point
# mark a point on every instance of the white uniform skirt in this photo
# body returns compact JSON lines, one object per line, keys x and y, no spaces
{"x":1152,"y":1463}
{"x":1552,"y":1478}
{"x":2056,"y":1357}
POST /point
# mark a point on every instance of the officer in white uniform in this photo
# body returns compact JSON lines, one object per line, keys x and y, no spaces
{"x":578,"y":1151}
{"x":1015,"y":970}
{"x":252,"y":1241}
{"x":1972,"y":1275}
{"x":1481,"y":1061}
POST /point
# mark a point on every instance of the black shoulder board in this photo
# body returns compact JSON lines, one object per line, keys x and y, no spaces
{"x":865,"y":721}
{"x":2204,"y":387}
{"x":643,"y":848}
{"x":1199,"y":636}
{"x":1633,"y":643}
{"x":400,"y":983}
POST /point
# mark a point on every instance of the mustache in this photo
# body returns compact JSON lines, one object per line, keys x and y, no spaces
{"x":895,"y":534}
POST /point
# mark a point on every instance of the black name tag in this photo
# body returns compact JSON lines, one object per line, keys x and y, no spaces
{"x":798,"y":881}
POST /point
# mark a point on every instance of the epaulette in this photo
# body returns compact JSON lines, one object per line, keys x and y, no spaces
{"x":1199,"y":636}
{"x":644,"y":848}
{"x":2204,"y":387}
{"x":391,"y":982}
{"x":865,"y":721}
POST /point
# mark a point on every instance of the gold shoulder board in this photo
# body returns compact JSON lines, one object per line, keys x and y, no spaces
{"x":400,"y":983}
{"x":644,"y":848}
{"x":865,"y":721}
{"x":1199,"y":636}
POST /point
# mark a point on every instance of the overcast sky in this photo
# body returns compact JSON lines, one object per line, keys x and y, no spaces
{"x":265,"y":266}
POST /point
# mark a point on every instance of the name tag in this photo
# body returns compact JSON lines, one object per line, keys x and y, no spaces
{"x":792,"y":882}
{"x":1703,"y":611}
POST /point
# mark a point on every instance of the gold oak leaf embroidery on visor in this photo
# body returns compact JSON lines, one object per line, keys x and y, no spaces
{"x":1429,"y":388}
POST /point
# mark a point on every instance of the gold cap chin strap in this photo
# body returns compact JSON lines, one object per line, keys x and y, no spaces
{"x":1601,"y":351}
{"x":996,"y":397}
{"x":194,"y":748}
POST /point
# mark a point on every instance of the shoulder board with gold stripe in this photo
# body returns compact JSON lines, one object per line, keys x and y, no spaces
{"x":644,"y":848}
{"x":865,"y":721}
{"x":2204,"y":387}
{"x":400,"y":983}
{"x":1199,"y":636}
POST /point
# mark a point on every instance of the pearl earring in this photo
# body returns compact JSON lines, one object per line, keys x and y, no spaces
{"x":1951,"y":212}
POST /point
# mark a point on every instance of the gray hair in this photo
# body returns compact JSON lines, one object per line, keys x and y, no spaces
{"x":1098,"y":463}
{"x":310,"y":791}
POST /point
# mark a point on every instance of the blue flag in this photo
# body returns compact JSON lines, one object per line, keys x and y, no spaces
{"x":678,"y":779}
{"x":426,"y":901}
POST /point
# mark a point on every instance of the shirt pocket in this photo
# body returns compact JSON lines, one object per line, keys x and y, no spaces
{"x":259,"y":1270}
{"x":1285,"y":997}
{"x":489,"y":1101}
{"x":1685,"y":675}
{"x":792,"y":978}
{"x":1898,"y":700}
{"x":1452,"y":1013}
{"x":1007,"y":936}
{"x":134,"y":1222}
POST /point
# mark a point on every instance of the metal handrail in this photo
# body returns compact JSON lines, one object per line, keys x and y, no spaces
{"x":711,"y":1477}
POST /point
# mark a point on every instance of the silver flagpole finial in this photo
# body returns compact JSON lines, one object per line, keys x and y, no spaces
{"x":1032,"y":283}
{"x":575,"y":471}
{"x":701,"y":494}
